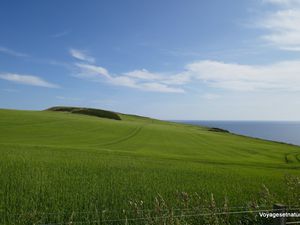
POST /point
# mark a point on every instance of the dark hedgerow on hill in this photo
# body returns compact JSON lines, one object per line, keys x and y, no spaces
{"x":215,"y":129}
{"x":87,"y":111}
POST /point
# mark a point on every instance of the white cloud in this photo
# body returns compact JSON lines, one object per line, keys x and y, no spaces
{"x":277,"y":76}
{"x":12,"y":52}
{"x":81,"y":55}
{"x":137,"y":79}
{"x":27,"y":80}
{"x":283,"y":25}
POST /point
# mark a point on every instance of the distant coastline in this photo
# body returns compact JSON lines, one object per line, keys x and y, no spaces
{"x":287,"y":132}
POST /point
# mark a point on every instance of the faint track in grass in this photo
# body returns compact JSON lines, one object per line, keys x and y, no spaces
{"x":131,"y":135}
{"x":296,"y":155}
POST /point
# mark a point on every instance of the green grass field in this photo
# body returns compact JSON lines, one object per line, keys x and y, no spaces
{"x":55,"y":162}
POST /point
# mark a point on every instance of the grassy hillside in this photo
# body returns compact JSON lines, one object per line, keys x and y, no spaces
{"x":63,"y":162}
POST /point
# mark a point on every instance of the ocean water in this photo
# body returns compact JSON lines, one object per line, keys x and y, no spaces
{"x":282,"y":131}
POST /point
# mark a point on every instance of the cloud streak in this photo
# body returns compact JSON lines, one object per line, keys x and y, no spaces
{"x":81,"y":55}
{"x":27,"y":80}
{"x":61,"y":34}
{"x":12,"y":52}
{"x":138,"y":79}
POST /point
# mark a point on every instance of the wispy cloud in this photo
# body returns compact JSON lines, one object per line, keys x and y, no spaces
{"x":81,"y":55}
{"x":138,"y":79}
{"x":91,"y":71}
{"x":61,"y":34}
{"x":282,"y":25}
{"x":11,"y":52}
{"x":27,"y":80}
{"x":143,"y":75}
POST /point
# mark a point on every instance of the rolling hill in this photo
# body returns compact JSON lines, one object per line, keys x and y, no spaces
{"x":62,"y":161}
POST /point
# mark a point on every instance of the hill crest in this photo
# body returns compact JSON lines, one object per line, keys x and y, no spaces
{"x":86,"y":111}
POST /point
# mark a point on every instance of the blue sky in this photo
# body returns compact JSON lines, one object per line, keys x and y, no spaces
{"x":171,"y":59}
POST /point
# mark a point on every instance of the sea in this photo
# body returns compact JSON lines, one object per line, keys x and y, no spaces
{"x":281,"y":131}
